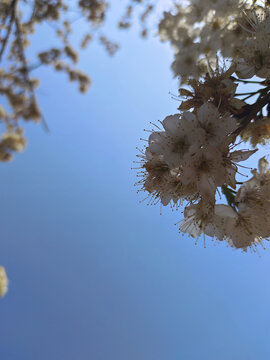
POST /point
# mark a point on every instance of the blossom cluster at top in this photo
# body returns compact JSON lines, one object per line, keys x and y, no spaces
{"x":19,"y":20}
{"x":192,"y":156}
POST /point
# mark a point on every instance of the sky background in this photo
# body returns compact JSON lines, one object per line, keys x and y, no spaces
{"x":95,"y":274}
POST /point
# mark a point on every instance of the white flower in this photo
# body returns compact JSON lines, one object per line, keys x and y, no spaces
{"x":217,"y":127}
{"x":234,"y":228}
{"x":197,"y":217}
{"x":239,"y":233}
{"x":206,"y":218}
{"x":172,"y":26}
{"x":220,"y":222}
{"x":3,"y":281}
{"x":210,"y":167}
{"x":255,"y":59}
{"x":253,"y":200}
{"x":164,"y":184}
{"x":217,"y":89}
{"x":204,"y":168}
{"x":186,"y":62}
{"x":173,"y":143}
{"x":254,"y":55}
{"x":196,"y":146}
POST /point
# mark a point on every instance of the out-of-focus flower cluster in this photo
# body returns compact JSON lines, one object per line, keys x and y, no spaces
{"x":19,"y":20}
{"x":193,"y":157}
{"x":3,"y":282}
{"x":198,"y":30}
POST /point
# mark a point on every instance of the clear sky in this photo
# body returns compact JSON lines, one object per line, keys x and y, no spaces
{"x":94,"y":274}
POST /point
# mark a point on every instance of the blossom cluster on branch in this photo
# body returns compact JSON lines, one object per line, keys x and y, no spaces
{"x":19,"y":20}
{"x":193,"y":157}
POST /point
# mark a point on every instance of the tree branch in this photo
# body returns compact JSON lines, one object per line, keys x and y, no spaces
{"x":252,"y":110}
{"x":12,"y":10}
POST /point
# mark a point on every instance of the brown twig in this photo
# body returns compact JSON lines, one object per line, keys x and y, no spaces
{"x":25,"y":70}
{"x":252,"y":110}
{"x":12,"y":10}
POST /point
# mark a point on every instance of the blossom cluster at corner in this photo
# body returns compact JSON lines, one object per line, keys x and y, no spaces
{"x":3,"y":282}
{"x":191,"y":157}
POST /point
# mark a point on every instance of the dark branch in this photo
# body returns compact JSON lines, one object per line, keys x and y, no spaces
{"x":12,"y":11}
{"x":252,"y":110}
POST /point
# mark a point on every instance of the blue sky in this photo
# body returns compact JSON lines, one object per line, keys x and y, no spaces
{"x":94,"y":274}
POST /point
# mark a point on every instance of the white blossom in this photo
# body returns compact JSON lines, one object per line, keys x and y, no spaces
{"x":254,"y":54}
{"x":194,"y":158}
{"x":253,"y":199}
{"x":181,"y":132}
{"x":217,"y":127}
{"x":3,"y":281}
{"x":238,"y":231}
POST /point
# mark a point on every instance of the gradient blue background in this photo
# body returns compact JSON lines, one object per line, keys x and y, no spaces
{"x":94,"y":274}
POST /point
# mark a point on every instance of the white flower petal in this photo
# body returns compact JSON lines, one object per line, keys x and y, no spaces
{"x":223,"y":211}
{"x":263,"y":165}
{"x":171,"y":123}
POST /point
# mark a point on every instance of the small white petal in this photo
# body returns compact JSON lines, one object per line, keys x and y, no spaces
{"x":263,"y":165}
{"x":225,"y":211}
{"x":171,"y":123}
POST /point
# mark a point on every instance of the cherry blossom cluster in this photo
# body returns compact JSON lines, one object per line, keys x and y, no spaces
{"x":193,"y":157}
